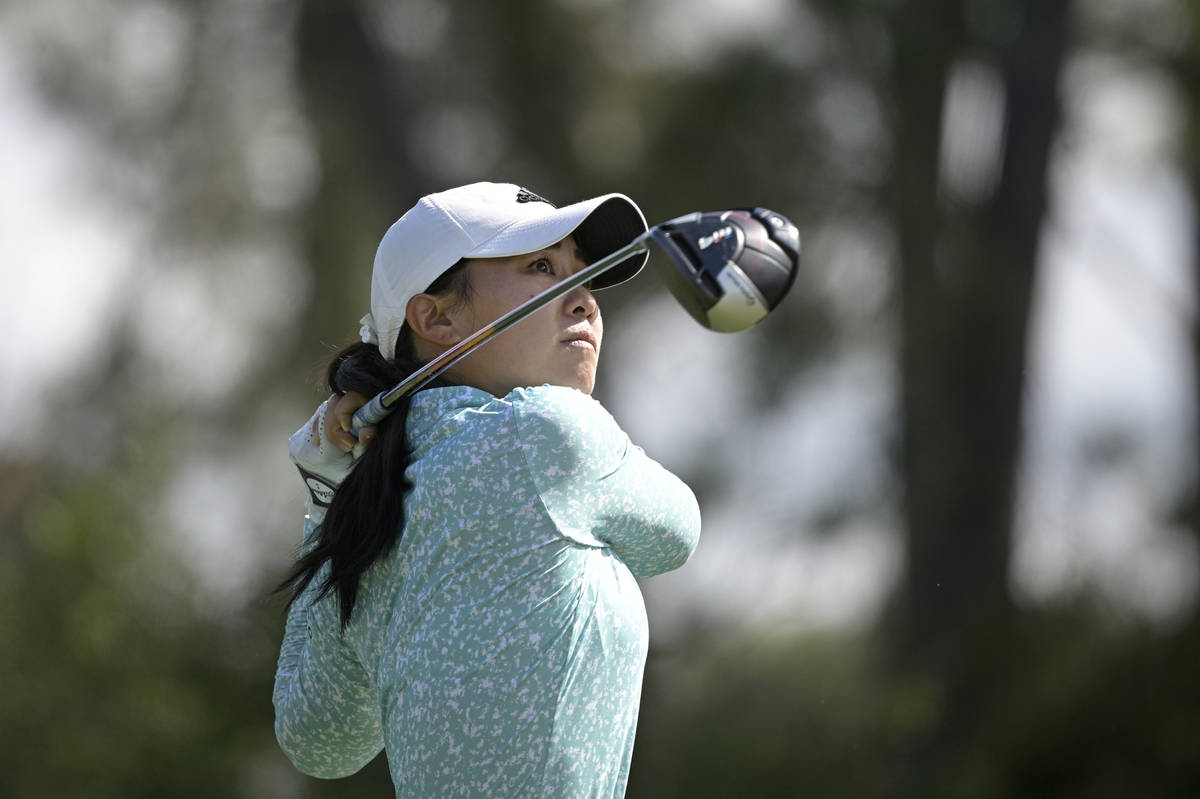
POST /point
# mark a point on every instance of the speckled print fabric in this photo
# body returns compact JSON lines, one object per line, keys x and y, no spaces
{"x":498,"y":651}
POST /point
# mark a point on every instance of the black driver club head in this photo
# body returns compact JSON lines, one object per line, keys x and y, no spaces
{"x":729,"y":269}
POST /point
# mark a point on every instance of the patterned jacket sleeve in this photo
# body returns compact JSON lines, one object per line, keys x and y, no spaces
{"x":327,"y":711}
{"x":601,"y":489}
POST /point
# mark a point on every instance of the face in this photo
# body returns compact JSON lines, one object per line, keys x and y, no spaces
{"x":559,"y":344}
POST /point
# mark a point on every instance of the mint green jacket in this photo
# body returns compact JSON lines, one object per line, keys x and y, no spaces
{"x":499,"y":649}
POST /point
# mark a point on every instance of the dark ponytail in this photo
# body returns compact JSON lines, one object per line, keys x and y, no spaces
{"x":366,"y":517}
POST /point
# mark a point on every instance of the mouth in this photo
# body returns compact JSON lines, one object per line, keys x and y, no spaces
{"x":582,"y":339}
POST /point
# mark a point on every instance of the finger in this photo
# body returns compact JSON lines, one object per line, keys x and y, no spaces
{"x":342,"y":427}
{"x":342,"y":414}
{"x":347,"y":404}
{"x":337,"y":423}
{"x":367,"y":435}
{"x":354,"y":400}
{"x":342,"y":440}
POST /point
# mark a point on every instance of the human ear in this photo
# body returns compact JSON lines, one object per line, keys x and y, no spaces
{"x":429,"y":320}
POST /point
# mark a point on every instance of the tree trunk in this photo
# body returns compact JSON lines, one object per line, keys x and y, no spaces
{"x":967,"y":269}
{"x":1186,"y":67}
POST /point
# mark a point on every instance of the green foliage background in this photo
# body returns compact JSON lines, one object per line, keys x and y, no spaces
{"x":122,"y":675}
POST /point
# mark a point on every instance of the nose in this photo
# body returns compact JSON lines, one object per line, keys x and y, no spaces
{"x":581,"y":303}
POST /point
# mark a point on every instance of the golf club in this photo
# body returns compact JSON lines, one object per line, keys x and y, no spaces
{"x":728,"y":269}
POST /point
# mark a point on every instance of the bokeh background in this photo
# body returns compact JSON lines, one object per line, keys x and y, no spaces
{"x":949,"y":489}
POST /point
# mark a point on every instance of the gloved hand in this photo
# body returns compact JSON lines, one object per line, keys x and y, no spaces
{"x":322,"y":448}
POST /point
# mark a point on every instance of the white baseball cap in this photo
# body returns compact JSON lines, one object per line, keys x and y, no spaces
{"x":488,"y":220}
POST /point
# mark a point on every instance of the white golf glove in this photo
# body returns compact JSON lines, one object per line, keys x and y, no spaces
{"x":323,"y":466}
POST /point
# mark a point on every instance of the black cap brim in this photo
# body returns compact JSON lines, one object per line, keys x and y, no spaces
{"x":615,"y":223}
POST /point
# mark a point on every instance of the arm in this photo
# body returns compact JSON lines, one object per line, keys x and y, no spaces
{"x":600,"y":488}
{"x":327,"y":712}
{"x":648,"y":516}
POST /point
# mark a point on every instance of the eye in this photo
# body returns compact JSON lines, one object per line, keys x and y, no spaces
{"x":543,"y":265}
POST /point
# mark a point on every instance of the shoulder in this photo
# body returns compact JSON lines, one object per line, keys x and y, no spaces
{"x":555,"y":402}
{"x":566,"y":426}
{"x":557,"y":410}
{"x":453,"y":413}
{"x":548,"y":422}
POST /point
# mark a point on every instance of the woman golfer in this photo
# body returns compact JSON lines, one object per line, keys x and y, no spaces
{"x":467,"y":600}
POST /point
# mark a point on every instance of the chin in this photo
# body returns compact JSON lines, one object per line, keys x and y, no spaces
{"x":579,"y":382}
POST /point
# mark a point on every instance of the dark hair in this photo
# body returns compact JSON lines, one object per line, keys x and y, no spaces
{"x":366,"y":517}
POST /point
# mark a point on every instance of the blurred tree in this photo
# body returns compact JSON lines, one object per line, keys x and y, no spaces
{"x":360,"y":114}
{"x":111,"y":688}
{"x":1075,"y":708}
{"x":1183,"y":61}
{"x":262,"y":148}
{"x":302,"y":128}
{"x":968,"y":237}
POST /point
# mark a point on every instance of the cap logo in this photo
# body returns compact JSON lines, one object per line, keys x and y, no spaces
{"x":526,"y":196}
